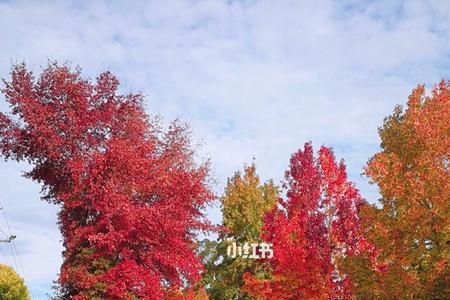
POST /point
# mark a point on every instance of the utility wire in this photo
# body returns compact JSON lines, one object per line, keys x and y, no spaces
{"x":14,"y":251}
{"x":10,"y":238}
{"x":14,"y":257}
{"x":4,"y":233}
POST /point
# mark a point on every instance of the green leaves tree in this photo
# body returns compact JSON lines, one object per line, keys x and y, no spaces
{"x":244,"y":203}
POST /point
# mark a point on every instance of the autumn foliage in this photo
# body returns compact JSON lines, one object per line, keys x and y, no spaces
{"x":130,"y":193}
{"x":412,"y":227}
{"x":244,"y":203}
{"x":131,"y":197}
{"x":12,"y":286}
{"x":312,"y":231}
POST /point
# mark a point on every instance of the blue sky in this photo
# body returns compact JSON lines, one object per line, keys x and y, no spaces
{"x":253,"y":78}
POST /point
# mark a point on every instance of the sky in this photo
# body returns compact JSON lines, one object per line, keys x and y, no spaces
{"x":252,"y":78}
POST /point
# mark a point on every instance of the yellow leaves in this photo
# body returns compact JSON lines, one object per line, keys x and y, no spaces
{"x":12,"y":286}
{"x":245,"y":203}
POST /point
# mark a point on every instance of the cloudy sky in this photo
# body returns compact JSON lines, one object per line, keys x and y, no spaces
{"x":253,"y":78}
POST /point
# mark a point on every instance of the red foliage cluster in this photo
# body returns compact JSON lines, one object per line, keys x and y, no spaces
{"x":130,"y":194}
{"x":311,"y":231}
{"x":131,"y":198}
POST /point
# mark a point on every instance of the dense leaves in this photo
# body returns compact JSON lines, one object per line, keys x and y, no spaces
{"x":244,"y":204}
{"x":412,"y":227}
{"x":315,"y":228}
{"x":12,"y":286}
{"x":130,"y":194}
{"x":131,"y":198}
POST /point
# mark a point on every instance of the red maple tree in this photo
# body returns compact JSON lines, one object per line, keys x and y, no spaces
{"x":130,"y":193}
{"x":316,"y":227}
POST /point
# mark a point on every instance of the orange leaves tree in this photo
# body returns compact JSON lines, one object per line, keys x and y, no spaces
{"x":412,"y":227}
{"x":312,"y":231}
{"x":130,"y":193}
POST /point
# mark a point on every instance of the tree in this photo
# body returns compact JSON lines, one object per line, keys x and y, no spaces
{"x":244,"y":204}
{"x":130,"y":193}
{"x":411,"y":229}
{"x":12,"y":286}
{"x":312,"y":232}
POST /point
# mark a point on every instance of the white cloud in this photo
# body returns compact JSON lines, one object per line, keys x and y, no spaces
{"x":254,"y":78}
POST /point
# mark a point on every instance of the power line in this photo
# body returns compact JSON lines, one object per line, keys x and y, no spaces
{"x":14,"y":251}
{"x":4,"y":232}
{"x":20,"y":264}
{"x":14,"y":257}
{"x":10,"y":237}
